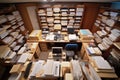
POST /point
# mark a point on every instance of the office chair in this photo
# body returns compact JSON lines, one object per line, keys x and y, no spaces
{"x":71,"y":50}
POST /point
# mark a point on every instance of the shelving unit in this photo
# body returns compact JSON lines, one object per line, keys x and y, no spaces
{"x":107,"y":28}
{"x":12,"y":30}
{"x":60,"y":17}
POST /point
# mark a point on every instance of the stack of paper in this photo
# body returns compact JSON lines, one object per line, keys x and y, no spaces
{"x":41,"y":12}
{"x":10,"y":17}
{"x":49,"y":13}
{"x":64,"y":23}
{"x":56,"y":68}
{"x":64,"y":14}
{"x":57,"y":27}
{"x":76,"y":70}
{"x":23,"y":58}
{"x":15,"y":68}
{"x":22,"y":50}
{"x":97,"y":38}
{"x":3,"y":19}
{"x":49,"y":68}
{"x":94,"y":51}
{"x":56,"y":9}
{"x":115,"y":54}
{"x":72,"y":37}
{"x":4,"y":51}
{"x":35,"y":35}
{"x":89,"y":71}
{"x":11,"y":55}
{"x":85,"y":34}
{"x":50,"y":19}
{"x":38,"y":67}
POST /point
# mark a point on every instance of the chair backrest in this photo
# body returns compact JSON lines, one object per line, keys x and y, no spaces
{"x":73,"y":47}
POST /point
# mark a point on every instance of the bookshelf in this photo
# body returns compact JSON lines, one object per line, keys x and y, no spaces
{"x":107,"y":28}
{"x":60,"y":17}
{"x":12,"y":30}
{"x":107,"y":37}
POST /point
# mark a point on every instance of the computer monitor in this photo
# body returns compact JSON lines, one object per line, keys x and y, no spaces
{"x":70,"y":30}
{"x":57,"y":50}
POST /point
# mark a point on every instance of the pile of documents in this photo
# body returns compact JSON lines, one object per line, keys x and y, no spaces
{"x":89,"y":71}
{"x":3,"y":19}
{"x":72,"y":37}
{"x":4,"y":51}
{"x":115,"y":34}
{"x":94,"y":51}
{"x":101,"y":65}
{"x":45,"y":69}
{"x":35,"y":35}
{"x":76,"y":70}
{"x":86,"y":35}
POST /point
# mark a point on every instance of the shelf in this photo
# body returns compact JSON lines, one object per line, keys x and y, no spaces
{"x":64,"y":16}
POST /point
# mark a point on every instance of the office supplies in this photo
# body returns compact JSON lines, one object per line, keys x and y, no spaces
{"x":27,"y":71}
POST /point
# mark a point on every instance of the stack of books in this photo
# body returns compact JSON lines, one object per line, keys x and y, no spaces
{"x":94,"y":51}
{"x":101,"y":65}
{"x":86,"y":35}
{"x":35,"y":35}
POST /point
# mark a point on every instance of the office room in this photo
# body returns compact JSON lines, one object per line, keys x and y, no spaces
{"x":59,"y":40}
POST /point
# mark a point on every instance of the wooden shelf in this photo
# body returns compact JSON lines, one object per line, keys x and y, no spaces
{"x":65,"y":14}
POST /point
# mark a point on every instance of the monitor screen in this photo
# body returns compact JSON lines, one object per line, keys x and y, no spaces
{"x":70,"y":30}
{"x":57,"y":50}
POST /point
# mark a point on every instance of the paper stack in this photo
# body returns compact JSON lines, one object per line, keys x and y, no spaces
{"x":101,"y":65}
{"x":94,"y":51}
{"x":35,"y":35}
{"x":85,"y":34}
{"x":4,"y":51}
